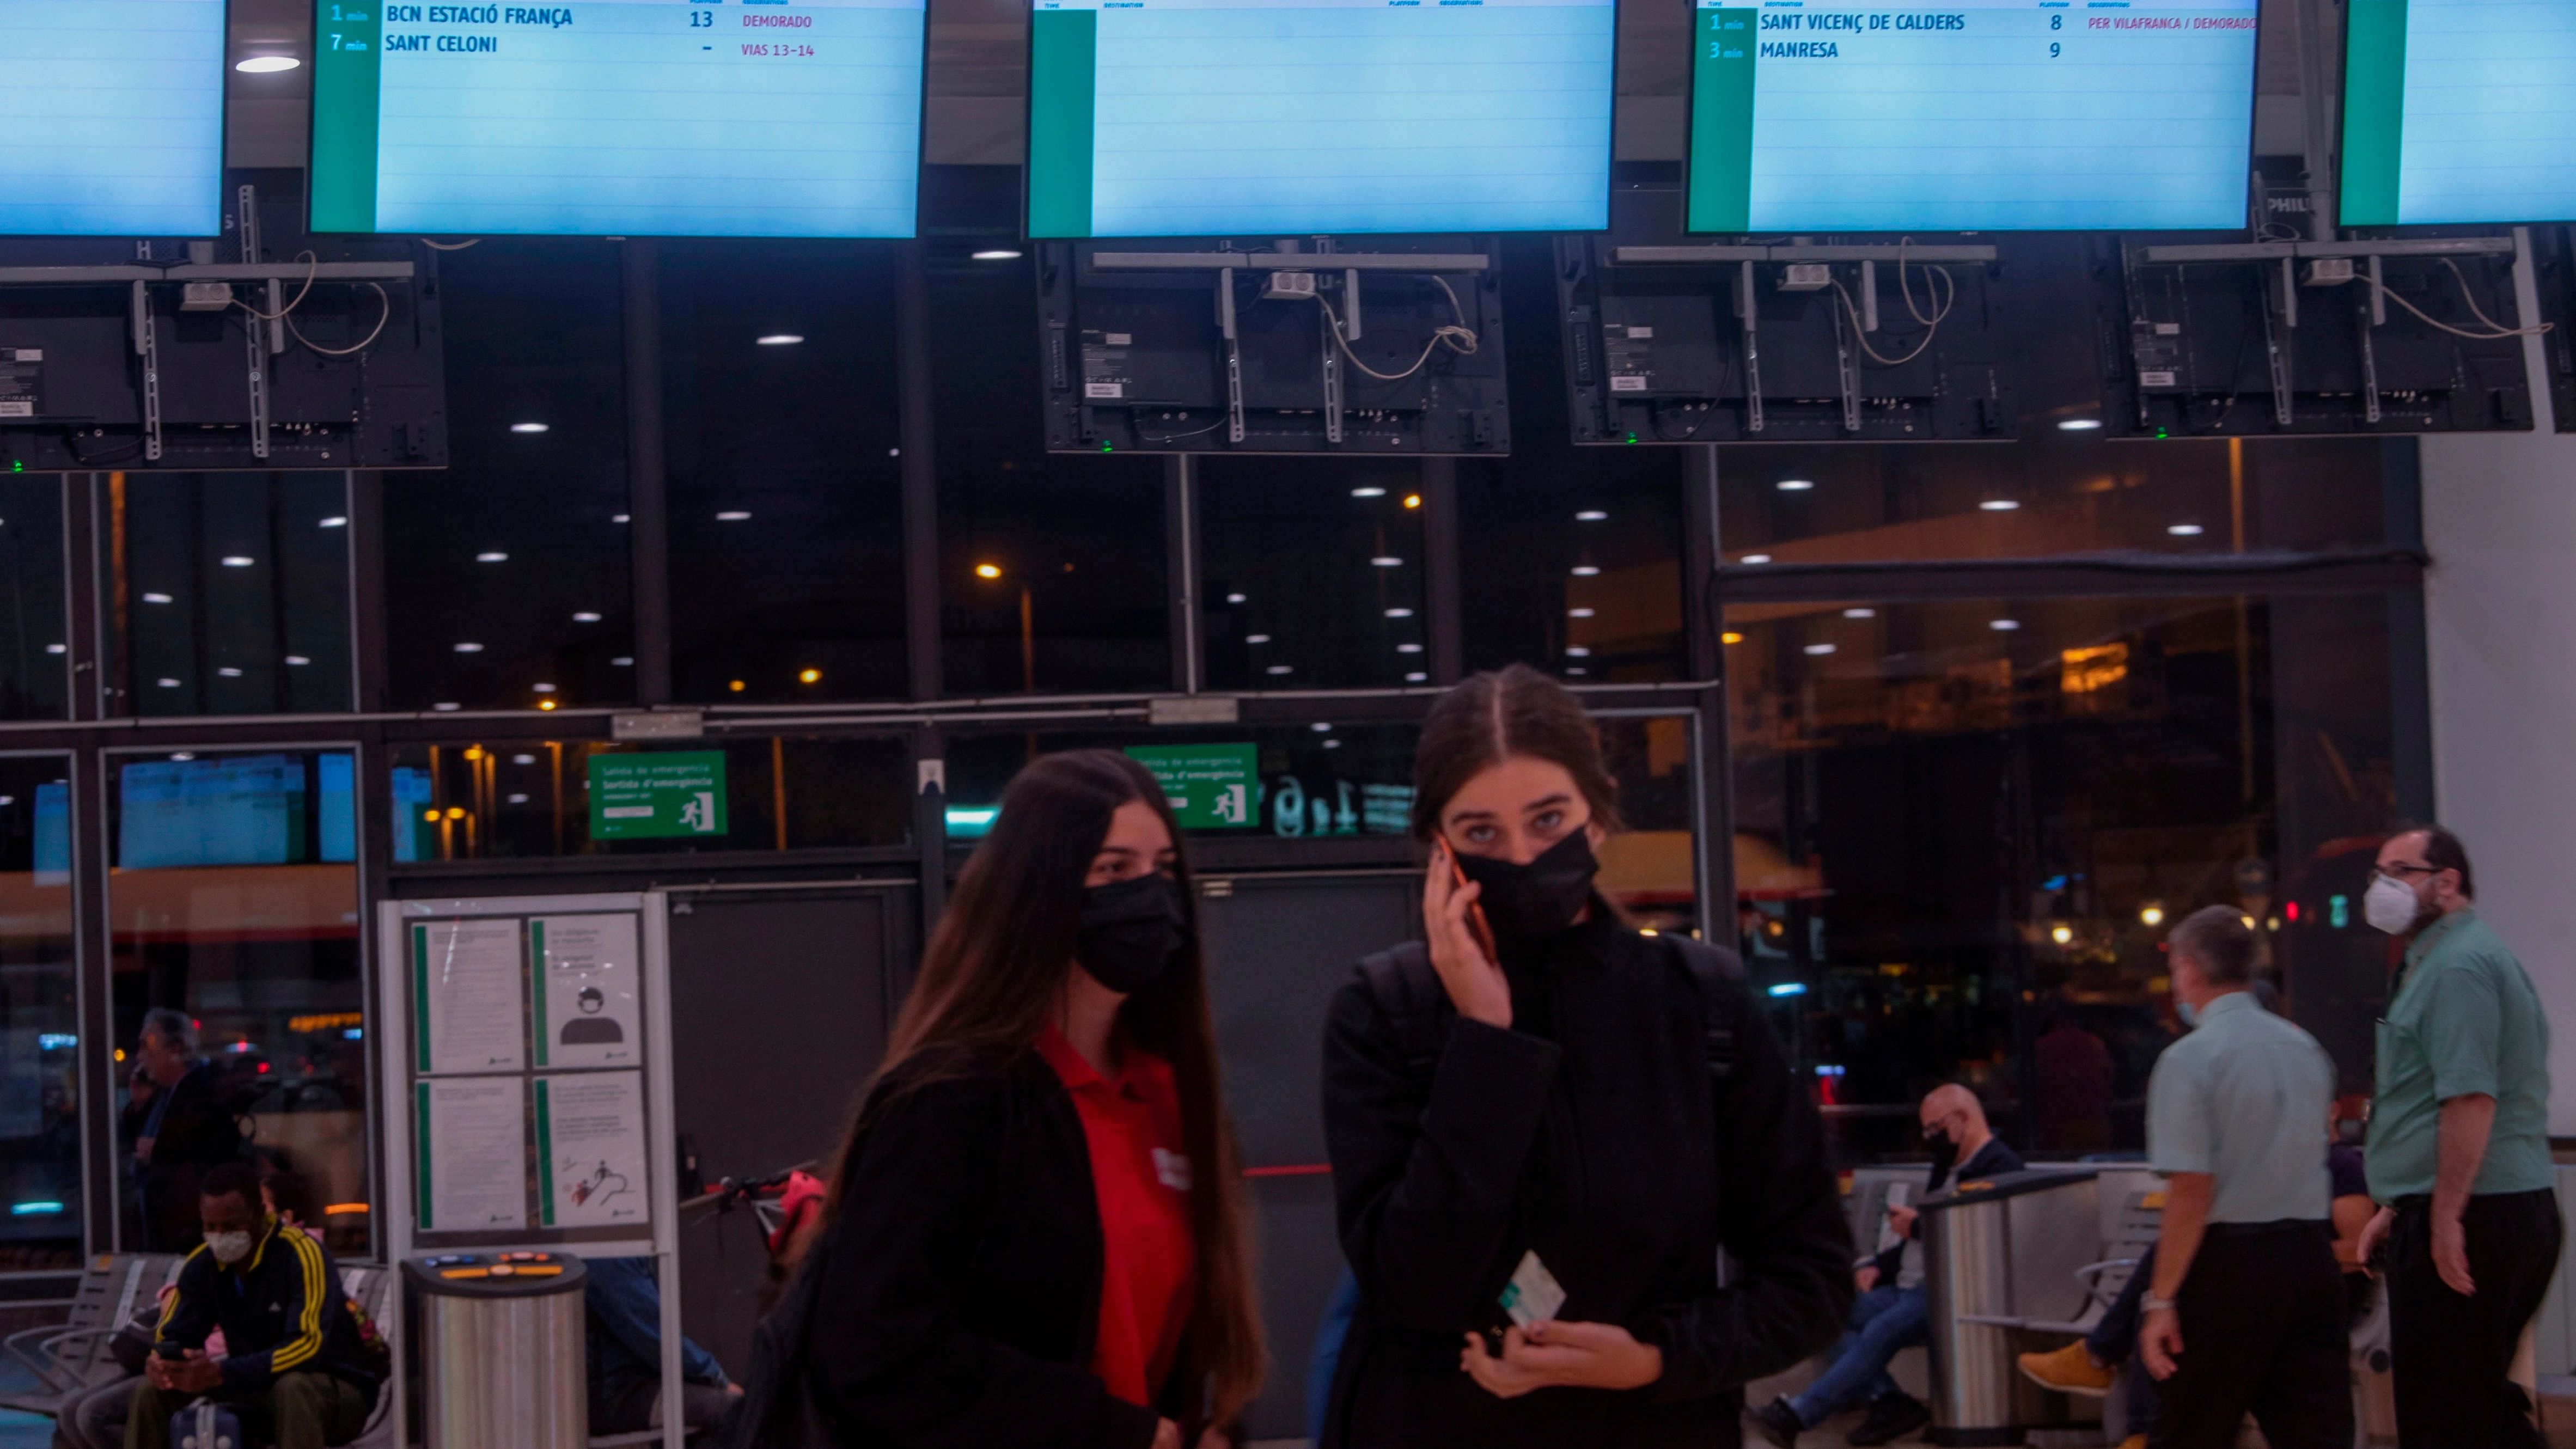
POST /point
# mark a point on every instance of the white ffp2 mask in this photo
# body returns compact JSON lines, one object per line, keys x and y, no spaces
{"x":228,"y":1247}
{"x":2390,"y":906}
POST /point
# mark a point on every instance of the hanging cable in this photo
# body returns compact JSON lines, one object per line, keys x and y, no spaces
{"x":381,"y":319}
{"x":1948,"y":292}
{"x":450,"y":246}
{"x":312,"y":267}
{"x":2497,"y":330}
{"x":1459,"y":339}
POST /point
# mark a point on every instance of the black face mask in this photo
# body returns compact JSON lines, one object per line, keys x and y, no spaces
{"x":1131,"y":930}
{"x":1540,"y":898}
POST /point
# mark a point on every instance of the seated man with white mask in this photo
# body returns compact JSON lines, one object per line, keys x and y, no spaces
{"x":295,"y":1364}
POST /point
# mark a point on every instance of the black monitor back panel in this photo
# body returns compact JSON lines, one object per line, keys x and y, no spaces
{"x":2210,"y":349}
{"x":1656,"y":352}
{"x":77,"y":391}
{"x":2553,"y":254}
{"x":1136,"y":360}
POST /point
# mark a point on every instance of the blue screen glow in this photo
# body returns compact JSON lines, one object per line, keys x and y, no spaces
{"x":111,"y":117}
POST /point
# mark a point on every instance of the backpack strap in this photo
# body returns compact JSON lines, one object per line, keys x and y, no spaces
{"x":1718,"y":973}
{"x":1408,"y":992}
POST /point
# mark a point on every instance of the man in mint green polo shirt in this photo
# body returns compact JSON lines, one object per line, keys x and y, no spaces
{"x":2459,"y":1152}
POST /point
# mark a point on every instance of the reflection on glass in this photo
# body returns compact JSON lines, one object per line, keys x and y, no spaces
{"x":1575,"y":568}
{"x":1965,"y":826}
{"x":1307,"y":782}
{"x":34,"y":658}
{"x":227,"y":593}
{"x":505,"y":799}
{"x":40,"y":1150}
{"x":2059,"y":492}
{"x":1313,"y":573}
{"x":1051,"y":566}
{"x":1649,"y":868}
{"x":782,"y":438}
{"x":506,"y":575}
{"x":239,"y":1012}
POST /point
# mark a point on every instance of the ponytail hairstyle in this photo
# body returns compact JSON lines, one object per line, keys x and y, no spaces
{"x":1489,"y":718}
{"x":988,"y":986}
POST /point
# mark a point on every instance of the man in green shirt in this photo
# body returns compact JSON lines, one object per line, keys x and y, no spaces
{"x":2459,"y":1152}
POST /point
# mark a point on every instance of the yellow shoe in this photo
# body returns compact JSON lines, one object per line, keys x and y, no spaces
{"x":2070,"y":1370}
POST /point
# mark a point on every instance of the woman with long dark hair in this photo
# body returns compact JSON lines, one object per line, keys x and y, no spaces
{"x":1545,"y":1125}
{"x":1031,"y":1236}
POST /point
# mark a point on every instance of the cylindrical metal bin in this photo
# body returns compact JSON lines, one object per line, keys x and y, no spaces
{"x":1968,"y":1257}
{"x":503,"y":1350}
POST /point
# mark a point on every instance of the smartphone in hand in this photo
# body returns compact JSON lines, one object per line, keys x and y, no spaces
{"x":1477,"y":925}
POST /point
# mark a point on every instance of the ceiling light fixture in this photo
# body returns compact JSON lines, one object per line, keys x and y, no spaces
{"x":2000,"y":505}
{"x":997,"y":254}
{"x":528,"y":427}
{"x":779,"y":339}
{"x":266,"y":64}
{"x":2079,"y":425}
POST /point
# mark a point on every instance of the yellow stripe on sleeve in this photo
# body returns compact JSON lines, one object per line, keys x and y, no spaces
{"x":308,"y":1336}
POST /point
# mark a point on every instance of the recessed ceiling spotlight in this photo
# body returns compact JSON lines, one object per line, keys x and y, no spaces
{"x":733,"y":515}
{"x":2000,"y":505}
{"x":2079,"y":425}
{"x":266,"y":64}
{"x":2006,"y":625}
{"x":528,"y":427}
{"x":1368,"y":493}
{"x":1860,"y":613}
{"x":997,"y":254}
{"x":779,"y":339}
{"x":1592,"y":515}
{"x":1796,"y":485}
{"x":469,"y":647}
{"x":1755,"y":558}
{"x":586,"y":616}
{"x":1820,"y":649}
{"x":335,"y":521}
{"x":492,"y":556}
{"x":2183,"y":530}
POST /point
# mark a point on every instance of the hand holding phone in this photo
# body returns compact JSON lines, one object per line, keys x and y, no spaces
{"x":1461,"y":942}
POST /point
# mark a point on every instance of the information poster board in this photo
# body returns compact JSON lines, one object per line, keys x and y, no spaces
{"x":2459,"y":112}
{"x":618,"y":117}
{"x":1296,"y":117}
{"x":530,"y":1041}
{"x":1977,"y":115}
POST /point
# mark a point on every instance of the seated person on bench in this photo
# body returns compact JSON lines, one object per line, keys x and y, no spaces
{"x":624,"y":1300}
{"x":294,"y":1366}
{"x":1894,"y":1308}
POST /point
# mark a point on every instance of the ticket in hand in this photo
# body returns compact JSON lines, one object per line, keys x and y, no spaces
{"x":1533,"y":1295}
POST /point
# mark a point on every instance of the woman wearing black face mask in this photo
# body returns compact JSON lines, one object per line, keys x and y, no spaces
{"x":1541,"y":1098}
{"x":1031,"y":1238}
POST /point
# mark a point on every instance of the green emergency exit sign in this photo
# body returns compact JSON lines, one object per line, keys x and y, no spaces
{"x":638,"y":795}
{"x":1211,"y":787}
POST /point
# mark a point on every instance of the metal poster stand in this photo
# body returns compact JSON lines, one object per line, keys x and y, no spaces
{"x":585,"y":1026}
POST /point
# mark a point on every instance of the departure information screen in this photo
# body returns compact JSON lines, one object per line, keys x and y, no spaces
{"x":1982,"y":115}
{"x":618,"y":117}
{"x":1228,"y":117}
{"x":2459,"y":111}
{"x":111,"y":117}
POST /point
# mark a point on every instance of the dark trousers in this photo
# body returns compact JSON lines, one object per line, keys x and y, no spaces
{"x":2449,"y":1355}
{"x":2262,"y":1314}
{"x":298,"y":1411}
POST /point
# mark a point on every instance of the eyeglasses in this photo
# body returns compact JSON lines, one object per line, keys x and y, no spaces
{"x":2401,"y":870}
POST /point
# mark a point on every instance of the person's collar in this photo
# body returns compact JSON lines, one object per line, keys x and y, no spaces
{"x":2235,"y":998}
{"x":1068,"y":1061}
{"x":261,"y":1237}
{"x":2422,"y":945}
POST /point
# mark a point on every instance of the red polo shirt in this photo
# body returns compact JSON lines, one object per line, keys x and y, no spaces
{"x":1132,"y":1123}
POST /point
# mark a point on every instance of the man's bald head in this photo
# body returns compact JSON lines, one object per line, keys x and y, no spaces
{"x":1952,"y":1111}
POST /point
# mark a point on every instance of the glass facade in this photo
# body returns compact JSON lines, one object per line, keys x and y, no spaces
{"x":1961,"y":829}
{"x":233,"y":901}
{"x":1958,"y":728}
{"x":40,"y":1088}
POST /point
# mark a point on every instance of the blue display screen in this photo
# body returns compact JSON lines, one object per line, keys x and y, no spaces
{"x":1297,"y":117}
{"x":625,"y":118}
{"x":1982,"y":115}
{"x":247,"y":810}
{"x":111,"y":117}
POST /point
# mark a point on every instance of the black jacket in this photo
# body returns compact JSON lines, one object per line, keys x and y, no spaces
{"x":282,"y":1312}
{"x":196,"y":1131}
{"x":1992,"y":1159}
{"x":1588,"y":1132}
{"x":960,"y":1291}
